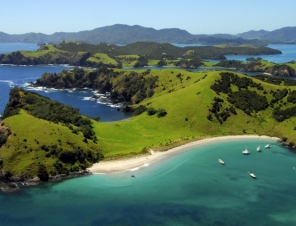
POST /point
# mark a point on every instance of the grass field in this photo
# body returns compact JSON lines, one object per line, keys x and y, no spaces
{"x":102,"y":57}
{"x":39,"y":53}
{"x":128,"y":60}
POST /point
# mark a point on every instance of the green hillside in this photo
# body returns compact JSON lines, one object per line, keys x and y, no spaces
{"x":185,"y":106}
{"x":45,"y":137}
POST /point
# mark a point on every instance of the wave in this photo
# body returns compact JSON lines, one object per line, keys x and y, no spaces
{"x":137,"y":168}
{"x":36,"y":88}
{"x":10,"y":82}
{"x":88,"y":98}
{"x":115,"y":105}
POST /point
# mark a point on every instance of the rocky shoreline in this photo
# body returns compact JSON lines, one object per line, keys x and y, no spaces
{"x":11,"y":184}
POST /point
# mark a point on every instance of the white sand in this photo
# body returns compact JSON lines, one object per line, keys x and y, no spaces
{"x":112,"y":166}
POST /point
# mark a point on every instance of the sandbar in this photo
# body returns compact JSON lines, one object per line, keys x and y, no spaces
{"x":115,"y":166}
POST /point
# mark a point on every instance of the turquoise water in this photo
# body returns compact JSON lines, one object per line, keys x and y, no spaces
{"x":188,"y":188}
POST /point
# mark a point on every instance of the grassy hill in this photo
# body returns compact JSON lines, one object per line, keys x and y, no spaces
{"x":197,"y":105}
{"x":187,"y":109}
{"x":45,"y":137}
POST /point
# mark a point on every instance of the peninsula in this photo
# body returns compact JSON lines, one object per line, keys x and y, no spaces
{"x":43,"y":139}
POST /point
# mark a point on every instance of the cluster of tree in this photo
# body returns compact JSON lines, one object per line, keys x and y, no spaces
{"x":227,"y":79}
{"x":248,"y":101}
{"x":193,"y":63}
{"x":283,"y":114}
{"x":161,"y":63}
{"x":244,"y":99}
{"x":221,"y":114}
{"x":44,"y":108}
{"x":292,"y":97}
{"x":142,"y":61}
{"x":281,"y":70}
{"x":278,"y":95}
{"x":150,"y":111}
{"x":4,"y":134}
{"x":253,"y":59}
{"x":68,"y":160}
{"x":275,"y":80}
{"x":3,"y":138}
{"x":123,"y":87}
{"x":251,"y":65}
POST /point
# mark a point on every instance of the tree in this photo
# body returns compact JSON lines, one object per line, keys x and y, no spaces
{"x":161,"y":63}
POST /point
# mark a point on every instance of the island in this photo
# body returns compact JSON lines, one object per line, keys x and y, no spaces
{"x":138,"y":54}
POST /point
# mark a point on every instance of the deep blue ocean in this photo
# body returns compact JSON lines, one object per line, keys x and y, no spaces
{"x":12,"y":75}
{"x":288,"y":54}
{"x":188,"y":188}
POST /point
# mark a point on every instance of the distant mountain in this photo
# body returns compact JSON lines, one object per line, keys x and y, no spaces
{"x":285,"y":34}
{"x":253,"y":34}
{"x":125,"y":34}
{"x":115,"y":34}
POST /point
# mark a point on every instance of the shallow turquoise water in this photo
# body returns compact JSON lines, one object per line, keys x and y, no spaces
{"x":190,"y":188}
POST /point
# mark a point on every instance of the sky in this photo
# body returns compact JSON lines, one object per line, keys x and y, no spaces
{"x":194,"y":16}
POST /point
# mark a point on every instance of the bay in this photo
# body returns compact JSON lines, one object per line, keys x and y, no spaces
{"x":12,"y":75}
{"x":188,"y":188}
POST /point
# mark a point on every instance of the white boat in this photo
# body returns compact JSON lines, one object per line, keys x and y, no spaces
{"x":252,"y":175}
{"x":258,"y":149}
{"x":245,"y":152}
{"x":221,"y":161}
{"x":267,"y":146}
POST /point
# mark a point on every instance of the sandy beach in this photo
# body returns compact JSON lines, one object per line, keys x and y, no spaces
{"x":114,"y":166}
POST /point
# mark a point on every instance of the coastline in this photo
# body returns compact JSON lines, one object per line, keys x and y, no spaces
{"x":116,"y":166}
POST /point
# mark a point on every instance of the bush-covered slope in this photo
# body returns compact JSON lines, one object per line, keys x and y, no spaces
{"x":128,"y":86}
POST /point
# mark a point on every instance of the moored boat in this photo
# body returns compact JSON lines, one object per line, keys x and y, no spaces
{"x":267,"y":146}
{"x":245,"y":152}
{"x":252,"y":175}
{"x":258,"y":149}
{"x":221,"y":161}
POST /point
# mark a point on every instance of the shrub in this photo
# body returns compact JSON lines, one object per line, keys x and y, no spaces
{"x":67,"y":156}
{"x":139,"y":110}
{"x":3,"y":139}
{"x":161,"y":113}
{"x":42,"y":174}
{"x":151,"y":111}
{"x":284,"y":139}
